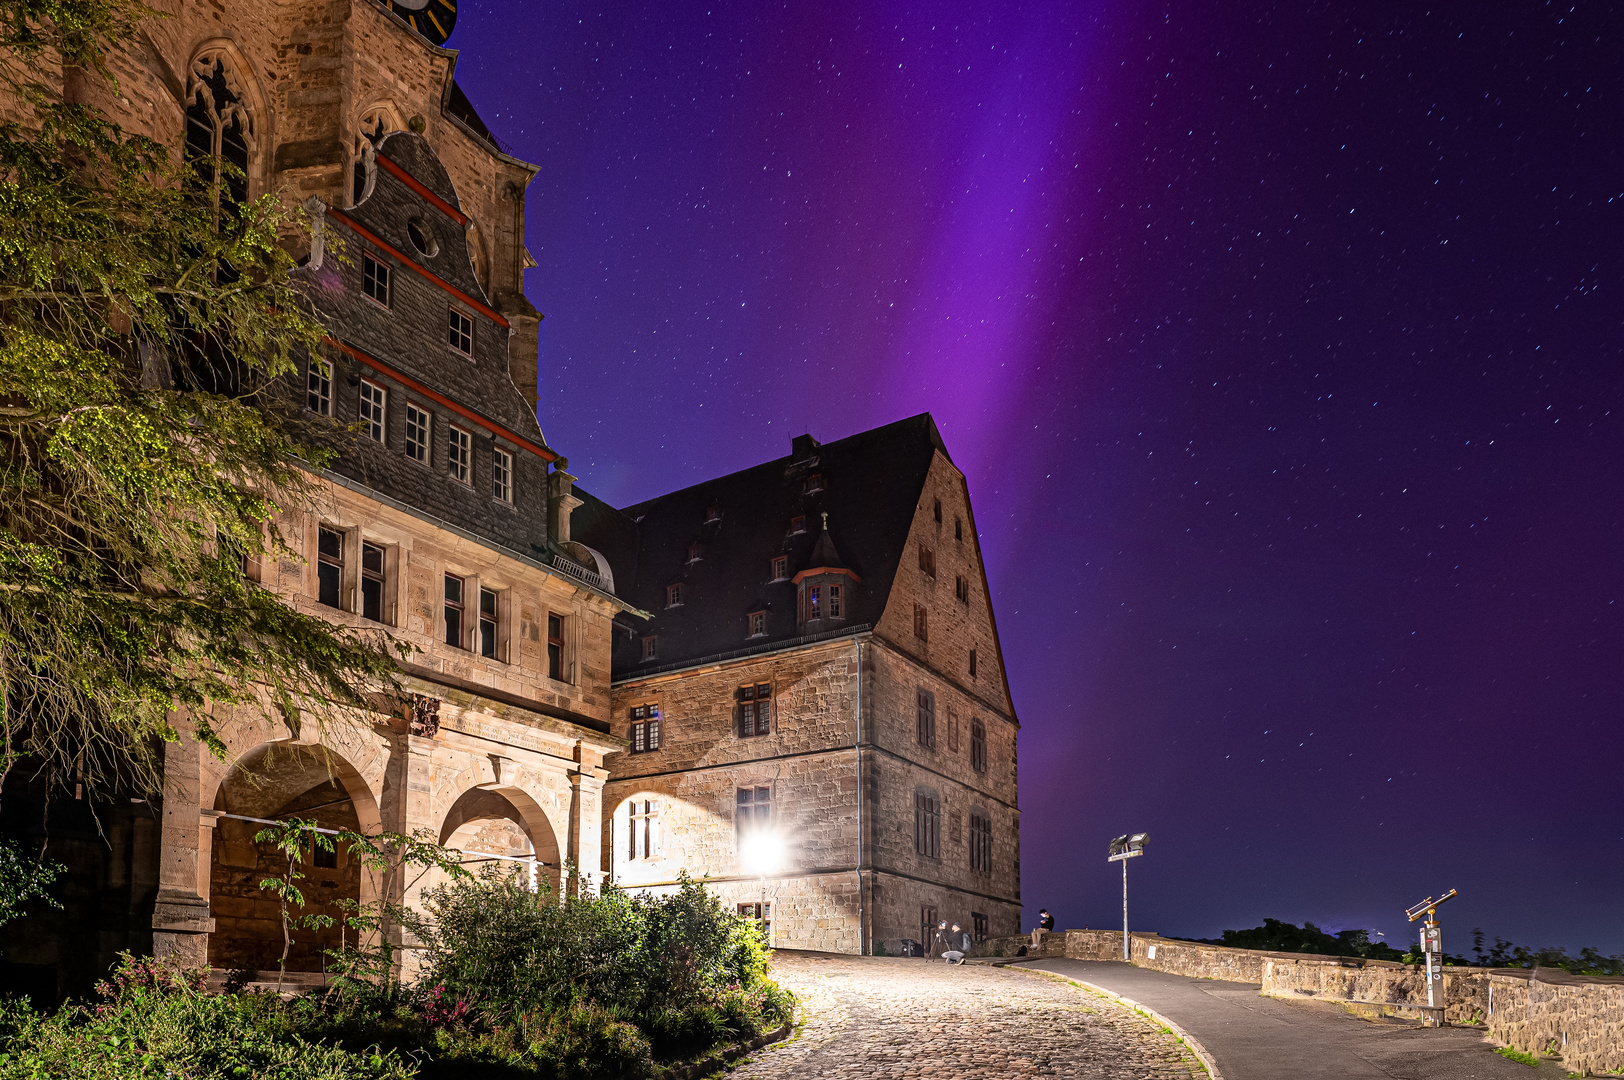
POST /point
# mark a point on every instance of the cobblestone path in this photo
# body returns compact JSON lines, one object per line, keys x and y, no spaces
{"x":892,"y":1017}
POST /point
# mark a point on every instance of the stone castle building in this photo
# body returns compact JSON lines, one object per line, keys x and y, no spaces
{"x":804,"y":650}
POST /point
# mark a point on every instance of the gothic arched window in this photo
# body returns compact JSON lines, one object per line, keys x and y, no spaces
{"x":218,"y":128}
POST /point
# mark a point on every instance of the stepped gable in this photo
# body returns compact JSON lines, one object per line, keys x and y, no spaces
{"x":870,"y":488}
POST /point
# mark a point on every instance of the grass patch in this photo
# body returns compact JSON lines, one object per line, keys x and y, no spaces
{"x":1511,"y":1053}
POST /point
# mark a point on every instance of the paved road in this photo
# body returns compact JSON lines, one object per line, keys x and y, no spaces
{"x":892,"y":1017}
{"x":1251,"y":1037}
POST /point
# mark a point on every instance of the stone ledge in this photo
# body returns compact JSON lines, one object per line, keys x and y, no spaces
{"x":720,"y":1059}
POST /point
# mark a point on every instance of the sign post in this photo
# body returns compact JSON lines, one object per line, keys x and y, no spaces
{"x":1123,"y":848}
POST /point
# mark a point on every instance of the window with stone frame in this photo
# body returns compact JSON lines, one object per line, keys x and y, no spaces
{"x":645,"y":729}
{"x":972,"y":663}
{"x":419,"y":430}
{"x":936,"y":511}
{"x":980,"y":842}
{"x":927,"y":824}
{"x":978,"y":746}
{"x":925,"y":718}
{"x":952,"y":731}
{"x":329,"y":567}
{"x":489,"y":625}
{"x":958,"y":529}
{"x":374,"y":399}
{"x":454,"y":611}
{"x":961,"y":588}
{"x":319,"y":386}
{"x":978,"y":925}
{"x":954,"y":832}
{"x":927,"y":561}
{"x":557,"y":661}
{"x":219,"y":132}
{"x":643,"y":819}
{"x":372,"y":581}
{"x":755,"y":709}
{"x":921,"y":623}
{"x":752,"y":811}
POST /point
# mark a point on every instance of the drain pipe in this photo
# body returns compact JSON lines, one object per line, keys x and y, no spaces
{"x":862,"y":923}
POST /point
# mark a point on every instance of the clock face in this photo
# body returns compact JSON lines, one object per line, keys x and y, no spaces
{"x":431,"y":18}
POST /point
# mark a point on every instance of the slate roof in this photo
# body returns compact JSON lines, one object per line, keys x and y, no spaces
{"x":871,"y":483}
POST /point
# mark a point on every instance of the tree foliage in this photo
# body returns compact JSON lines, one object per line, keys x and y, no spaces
{"x":146,"y":444}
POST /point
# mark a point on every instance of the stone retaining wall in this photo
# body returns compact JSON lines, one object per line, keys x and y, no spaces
{"x":1579,"y":1018}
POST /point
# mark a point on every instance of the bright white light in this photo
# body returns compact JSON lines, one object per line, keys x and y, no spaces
{"x":761,"y":852}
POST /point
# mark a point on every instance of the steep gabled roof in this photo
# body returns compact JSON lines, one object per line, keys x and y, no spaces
{"x":717,"y":539}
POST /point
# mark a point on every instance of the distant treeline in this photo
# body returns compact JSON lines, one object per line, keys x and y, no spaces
{"x":1277,"y":936}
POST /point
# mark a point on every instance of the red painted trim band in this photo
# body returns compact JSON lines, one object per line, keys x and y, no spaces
{"x":813,"y":571}
{"x":412,"y":182}
{"x":369,"y":235}
{"x":434,"y":395}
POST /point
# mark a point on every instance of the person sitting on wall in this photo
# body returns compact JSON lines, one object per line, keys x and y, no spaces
{"x":960,"y":945}
{"x":1045,"y":925}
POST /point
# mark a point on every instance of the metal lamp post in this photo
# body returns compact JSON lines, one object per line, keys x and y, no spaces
{"x":1123,"y":848}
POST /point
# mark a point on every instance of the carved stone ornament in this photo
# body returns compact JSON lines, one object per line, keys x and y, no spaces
{"x":211,"y":70}
{"x":425,"y":719}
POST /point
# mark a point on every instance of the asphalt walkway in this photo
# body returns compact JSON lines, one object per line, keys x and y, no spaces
{"x":1251,"y":1037}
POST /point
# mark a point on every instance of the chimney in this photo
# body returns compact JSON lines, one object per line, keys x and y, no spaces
{"x":561,"y":502}
{"x":801,"y":447}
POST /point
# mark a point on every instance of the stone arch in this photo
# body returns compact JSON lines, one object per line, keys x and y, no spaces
{"x":276,"y":781}
{"x":484,"y":816}
{"x":220,"y":79}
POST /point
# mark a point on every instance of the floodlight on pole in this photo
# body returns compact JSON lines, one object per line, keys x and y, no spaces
{"x":761,"y":853}
{"x":1125,"y":847}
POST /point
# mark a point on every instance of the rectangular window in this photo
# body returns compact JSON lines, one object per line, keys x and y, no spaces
{"x":978,"y":746}
{"x":972,"y":663}
{"x":780,"y":568}
{"x":927,"y":825}
{"x":372,"y":560}
{"x":372,"y":410}
{"x":937,"y":511}
{"x":753,"y":810}
{"x":797,"y":524}
{"x":375,"y":279}
{"x":980,"y":842}
{"x":764,"y":917}
{"x":814,"y":602}
{"x":418,"y":430}
{"x":814,"y":484}
{"x":837,"y":606}
{"x":644,"y":817}
{"x":487,"y":622}
{"x":458,"y":454}
{"x":502,"y":476}
{"x":319,"y":387}
{"x":978,"y":925}
{"x":958,"y":529}
{"x":324,"y":858}
{"x":927,"y":561}
{"x":758,"y":623}
{"x":921,"y":623}
{"x":651,"y":647}
{"x":925,"y":716}
{"x":645,"y":732}
{"x":329,"y":566}
{"x":673,"y":594}
{"x":555,"y":646}
{"x":961,"y":588}
{"x":952,"y":732}
{"x":462,"y":333}
{"x":453,"y":611}
{"x":755,"y":709}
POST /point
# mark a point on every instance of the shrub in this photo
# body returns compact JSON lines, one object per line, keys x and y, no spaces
{"x":156,"y":1022}
{"x":585,"y":1042}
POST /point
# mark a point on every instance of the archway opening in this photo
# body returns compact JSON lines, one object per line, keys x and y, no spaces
{"x":276,"y":782}
{"x":502,"y":826}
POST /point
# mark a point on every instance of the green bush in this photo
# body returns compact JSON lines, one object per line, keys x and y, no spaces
{"x":158,"y":1023}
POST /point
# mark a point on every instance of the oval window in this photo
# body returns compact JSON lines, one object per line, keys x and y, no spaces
{"x":421,"y":238}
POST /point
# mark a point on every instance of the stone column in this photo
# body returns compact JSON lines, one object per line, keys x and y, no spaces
{"x":408,"y":808}
{"x":207,"y":820}
{"x":181,"y":924}
{"x":585,"y":840}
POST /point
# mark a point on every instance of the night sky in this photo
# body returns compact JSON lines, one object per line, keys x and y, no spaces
{"x":1282,"y":351}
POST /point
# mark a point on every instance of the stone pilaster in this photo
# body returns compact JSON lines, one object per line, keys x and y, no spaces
{"x":181,"y":923}
{"x":408,"y":808}
{"x":585,"y":841}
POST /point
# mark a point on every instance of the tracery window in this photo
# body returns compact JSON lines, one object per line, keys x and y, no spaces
{"x":219,"y":128}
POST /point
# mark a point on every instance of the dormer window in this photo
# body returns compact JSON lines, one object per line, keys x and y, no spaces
{"x":797,"y":524}
{"x":758,"y":624}
{"x":651,"y":647}
{"x":780,"y":568}
{"x":811,"y":602}
{"x":673,"y":595}
{"x":813,"y":484}
{"x":696,"y":552}
{"x":713,"y":512}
